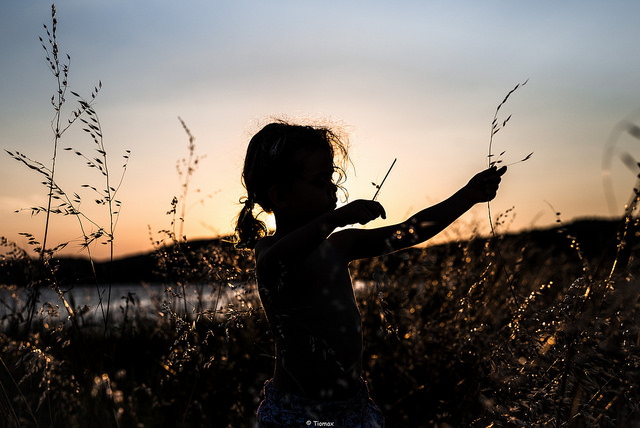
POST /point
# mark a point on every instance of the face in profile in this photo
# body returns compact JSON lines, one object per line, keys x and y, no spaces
{"x":313,"y":191}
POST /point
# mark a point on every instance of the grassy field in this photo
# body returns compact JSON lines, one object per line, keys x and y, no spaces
{"x":535,"y":329}
{"x":517,"y":330}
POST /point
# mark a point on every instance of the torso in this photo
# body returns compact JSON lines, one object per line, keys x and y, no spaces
{"x":316,"y":323}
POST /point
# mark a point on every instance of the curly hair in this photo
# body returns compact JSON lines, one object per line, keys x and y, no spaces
{"x":270,"y":160}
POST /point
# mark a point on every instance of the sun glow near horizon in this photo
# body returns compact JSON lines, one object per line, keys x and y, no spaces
{"x":416,"y":82}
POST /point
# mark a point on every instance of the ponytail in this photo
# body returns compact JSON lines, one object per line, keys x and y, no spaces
{"x":248,"y":229}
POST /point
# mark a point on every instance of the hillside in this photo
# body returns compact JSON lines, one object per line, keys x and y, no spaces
{"x":596,"y":239}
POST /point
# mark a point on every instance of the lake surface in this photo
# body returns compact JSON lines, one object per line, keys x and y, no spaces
{"x":148,"y":299}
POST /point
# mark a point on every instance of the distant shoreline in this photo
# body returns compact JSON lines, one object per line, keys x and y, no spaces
{"x":595,"y":235}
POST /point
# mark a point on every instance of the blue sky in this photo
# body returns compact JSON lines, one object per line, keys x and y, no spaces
{"x":417,"y":81}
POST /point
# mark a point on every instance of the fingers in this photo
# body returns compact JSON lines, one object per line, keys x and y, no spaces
{"x":381,"y":212}
{"x":494,"y":174}
{"x":501,"y":170}
{"x":364,"y":211}
{"x":495,"y":170}
{"x":361,"y":211}
{"x":486,"y":183}
{"x":492,"y":181}
{"x":371,"y":210}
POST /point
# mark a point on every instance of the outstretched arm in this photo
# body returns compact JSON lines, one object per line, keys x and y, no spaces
{"x":361,"y":243}
{"x":276,"y":254}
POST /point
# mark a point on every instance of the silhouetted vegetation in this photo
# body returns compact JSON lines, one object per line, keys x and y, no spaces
{"x":444,"y":341}
{"x":540,"y":328}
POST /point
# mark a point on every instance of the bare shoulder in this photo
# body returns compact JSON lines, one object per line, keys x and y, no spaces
{"x":265,"y":243}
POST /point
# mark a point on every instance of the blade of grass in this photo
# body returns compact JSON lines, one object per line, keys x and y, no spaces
{"x":378,"y":187}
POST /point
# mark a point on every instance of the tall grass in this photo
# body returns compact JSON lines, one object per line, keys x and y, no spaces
{"x":446,"y":343}
{"x":63,"y":202}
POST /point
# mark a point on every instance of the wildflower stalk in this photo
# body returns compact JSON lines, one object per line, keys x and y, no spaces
{"x":190,"y":164}
{"x":58,"y":200}
{"x":495,"y":128}
{"x":54,"y":63}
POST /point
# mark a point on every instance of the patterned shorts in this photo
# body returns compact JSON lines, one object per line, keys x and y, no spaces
{"x":280,"y":409}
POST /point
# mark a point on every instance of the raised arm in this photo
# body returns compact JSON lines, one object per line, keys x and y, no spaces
{"x":277,"y":253}
{"x":362,"y":243}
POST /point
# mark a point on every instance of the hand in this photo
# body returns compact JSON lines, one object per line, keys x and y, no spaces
{"x":361,"y":211}
{"x":484,"y":185}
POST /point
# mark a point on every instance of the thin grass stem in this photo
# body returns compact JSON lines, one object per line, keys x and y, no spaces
{"x":379,"y":186}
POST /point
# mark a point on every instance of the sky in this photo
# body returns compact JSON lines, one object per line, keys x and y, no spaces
{"x":412,"y":80}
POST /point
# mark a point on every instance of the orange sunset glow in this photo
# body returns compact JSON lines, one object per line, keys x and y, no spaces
{"x":414,"y":81}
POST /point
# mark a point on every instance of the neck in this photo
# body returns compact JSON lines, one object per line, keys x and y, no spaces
{"x":286,"y":223}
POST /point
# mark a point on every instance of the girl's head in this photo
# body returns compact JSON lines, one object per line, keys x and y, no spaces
{"x":275,"y":159}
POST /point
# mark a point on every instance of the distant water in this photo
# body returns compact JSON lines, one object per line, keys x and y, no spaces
{"x":149,"y":299}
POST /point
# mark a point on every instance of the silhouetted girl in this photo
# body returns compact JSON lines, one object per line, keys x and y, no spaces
{"x":302,"y":270}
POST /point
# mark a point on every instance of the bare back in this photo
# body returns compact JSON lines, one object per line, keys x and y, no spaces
{"x":316,"y":323}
